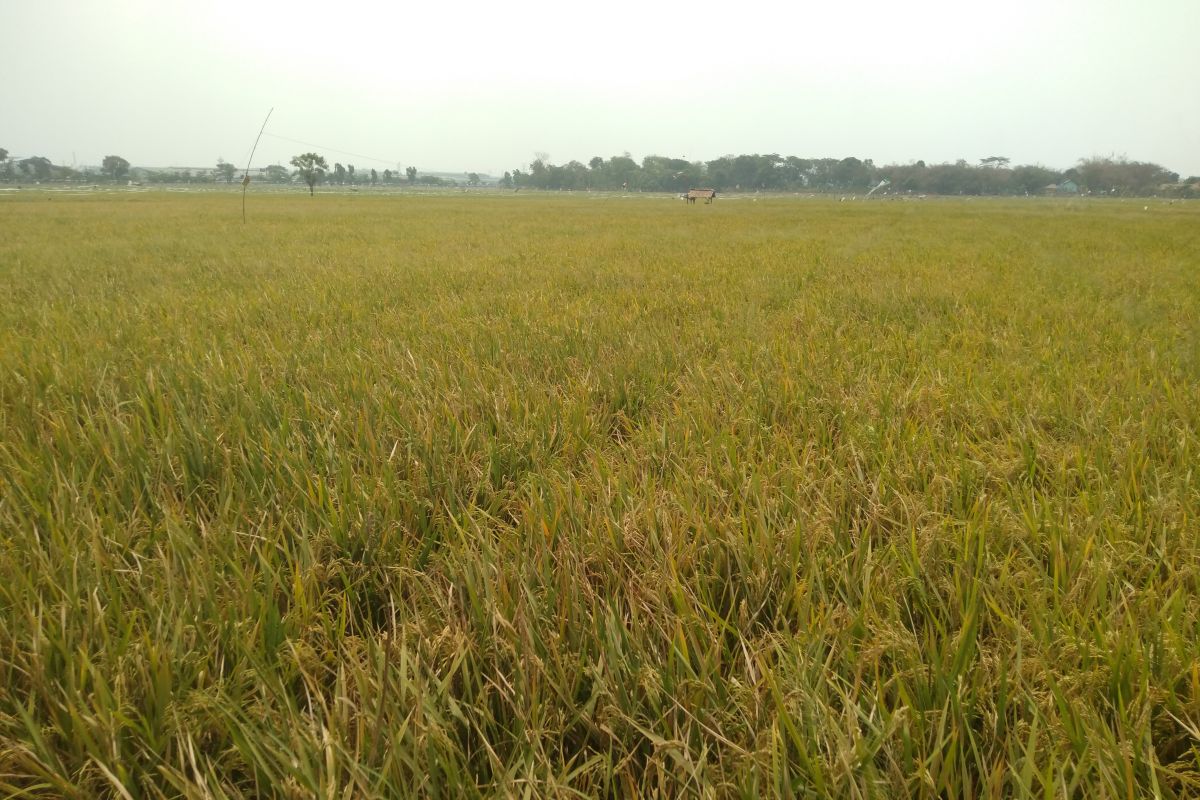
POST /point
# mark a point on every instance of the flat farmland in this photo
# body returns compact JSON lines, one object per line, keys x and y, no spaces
{"x":560,"y":495}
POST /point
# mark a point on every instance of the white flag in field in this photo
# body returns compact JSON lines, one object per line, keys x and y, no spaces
{"x":878,"y":186}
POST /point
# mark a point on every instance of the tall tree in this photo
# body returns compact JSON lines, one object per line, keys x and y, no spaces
{"x":311,"y":167}
{"x":851,"y":173}
{"x":411,"y":174}
{"x":1032,"y":178}
{"x":37,"y":167}
{"x":339,"y":172}
{"x":1121,"y":176}
{"x":277,"y":173}
{"x":225,"y":170}
{"x":115,"y":167}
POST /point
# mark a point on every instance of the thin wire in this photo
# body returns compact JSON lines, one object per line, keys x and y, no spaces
{"x":331,"y":149}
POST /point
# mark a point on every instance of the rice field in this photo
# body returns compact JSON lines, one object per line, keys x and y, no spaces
{"x":598,"y":496}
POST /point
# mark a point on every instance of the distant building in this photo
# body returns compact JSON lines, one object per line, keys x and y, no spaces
{"x":1066,"y":187}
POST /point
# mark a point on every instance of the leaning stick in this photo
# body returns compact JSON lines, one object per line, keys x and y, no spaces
{"x":249,"y":161}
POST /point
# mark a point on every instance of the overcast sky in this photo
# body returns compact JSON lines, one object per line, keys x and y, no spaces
{"x":483,"y":86}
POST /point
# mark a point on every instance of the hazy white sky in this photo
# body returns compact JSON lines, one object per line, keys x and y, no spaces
{"x":483,"y":86}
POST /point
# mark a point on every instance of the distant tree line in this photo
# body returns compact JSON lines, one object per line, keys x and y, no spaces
{"x":40,"y":168}
{"x":313,"y":169}
{"x":117,"y":169}
{"x":990,"y":176}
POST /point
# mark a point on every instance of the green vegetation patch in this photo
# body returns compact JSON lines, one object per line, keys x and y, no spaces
{"x":548,"y":496}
